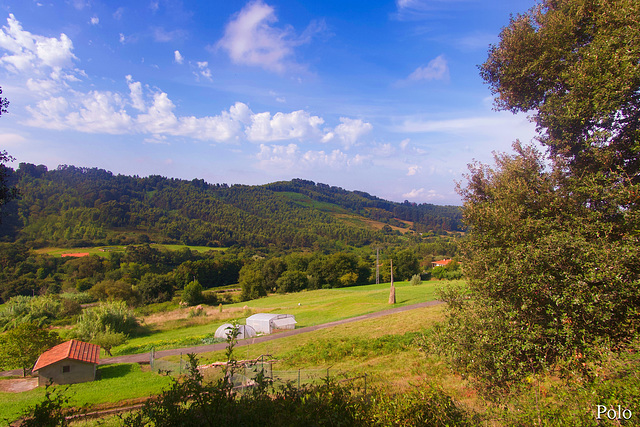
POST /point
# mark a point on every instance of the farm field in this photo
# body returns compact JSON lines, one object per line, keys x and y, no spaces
{"x":383,"y":348}
{"x":176,"y":329}
{"x":103,"y":251}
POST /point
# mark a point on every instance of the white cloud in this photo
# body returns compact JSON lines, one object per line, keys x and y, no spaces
{"x":135,"y":88}
{"x":436,"y":69}
{"x":203,"y":70}
{"x":288,"y":158}
{"x":413,"y":170}
{"x":44,"y":87}
{"x":251,"y":39}
{"x":49,"y":113}
{"x":497,"y":124}
{"x":37,"y":57}
{"x":414,"y":193}
{"x":350,"y":130}
{"x":178,"y":57}
{"x":94,"y":20}
{"x":383,"y":150}
{"x":101,"y":112}
{"x":122,"y":38}
{"x":295,"y":125}
{"x":424,"y":196}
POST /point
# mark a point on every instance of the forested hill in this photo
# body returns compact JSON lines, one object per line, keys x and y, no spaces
{"x":73,"y":206}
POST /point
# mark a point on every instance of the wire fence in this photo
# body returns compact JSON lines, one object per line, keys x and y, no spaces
{"x":245,"y":373}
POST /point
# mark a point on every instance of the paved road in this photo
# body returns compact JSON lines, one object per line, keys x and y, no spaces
{"x":144,"y":357}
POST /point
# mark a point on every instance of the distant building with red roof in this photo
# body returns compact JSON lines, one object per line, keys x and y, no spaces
{"x":68,"y":363}
{"x":441,"y":263}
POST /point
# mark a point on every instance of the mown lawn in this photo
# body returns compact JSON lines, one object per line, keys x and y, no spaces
{"x":118,"y":382}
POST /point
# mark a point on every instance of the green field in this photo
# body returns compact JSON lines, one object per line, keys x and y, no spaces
{"x":309,"y":308}
{"x":117,"y":383}
{"x":378,"y":355}
{"x":103,"y":251}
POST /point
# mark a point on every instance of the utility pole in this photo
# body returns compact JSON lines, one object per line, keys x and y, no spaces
{"x":392,"y":292}
{"x":377,"y":266}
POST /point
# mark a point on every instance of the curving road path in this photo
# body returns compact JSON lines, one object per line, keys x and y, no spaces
{"x":144,"y":357}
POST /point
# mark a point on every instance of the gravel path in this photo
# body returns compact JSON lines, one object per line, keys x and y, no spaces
{"x":144,"y":357}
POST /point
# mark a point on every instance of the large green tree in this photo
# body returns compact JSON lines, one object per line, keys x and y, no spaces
{"x":573,"y":65}
{"x":552,"y":252}
{"x":21,"y":346}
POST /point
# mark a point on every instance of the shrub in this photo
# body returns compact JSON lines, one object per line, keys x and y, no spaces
{"x":114,"y":316}
{"x":192,"y":293}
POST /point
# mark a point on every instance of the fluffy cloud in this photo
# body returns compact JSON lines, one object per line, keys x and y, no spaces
{"x":282,"y":126}
{"x":289,"y":158}
{"x":137,"y":100}
{"x":94,"y":20}
{"x":424,"y":196}
{"x":101,"y":112}
{"x":178,"y":57}
{"x":350,"y":130}
{"x":203,"y":70}
{"x":251,"y":39}
{"x":413,"y":169}
{"x":38,"y":57}
{"x":436,"y":69}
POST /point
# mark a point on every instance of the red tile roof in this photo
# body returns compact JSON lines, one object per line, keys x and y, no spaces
{"x":74,"y":349}
{"x":442,"y":262}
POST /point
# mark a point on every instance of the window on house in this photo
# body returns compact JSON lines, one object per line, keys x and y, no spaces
{"x":66,"y":368}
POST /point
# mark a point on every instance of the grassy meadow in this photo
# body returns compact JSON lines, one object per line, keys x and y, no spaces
{"x":124,"y":382}
{"x":383,"y":348}
{"x":103,"y":251}
{"x":176,"y":328}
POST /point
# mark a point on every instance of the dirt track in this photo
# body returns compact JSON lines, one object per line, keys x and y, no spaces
{"x":144,"y":357}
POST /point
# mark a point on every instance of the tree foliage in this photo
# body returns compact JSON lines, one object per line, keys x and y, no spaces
{"x":20,"y":347}
{"x":574,"y":65}
{"x":551,"y":257}
{"x":111,"y":317}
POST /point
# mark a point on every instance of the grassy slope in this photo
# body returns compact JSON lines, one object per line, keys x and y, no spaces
{"x":384,"y":364}
{"x":316,"y":307}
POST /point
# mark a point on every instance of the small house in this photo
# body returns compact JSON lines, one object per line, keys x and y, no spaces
{"x":441,"y":263}
{"x":68,"y":363}
{"x":269,"y":322}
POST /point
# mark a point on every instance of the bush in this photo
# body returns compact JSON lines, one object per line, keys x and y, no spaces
{"x":192,"y":293}
{"x":416,"y":280}
{"x":154,"y":288}
{"x":113,"y":317}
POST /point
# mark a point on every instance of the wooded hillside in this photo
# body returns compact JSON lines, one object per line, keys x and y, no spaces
{"x":72,"y":206}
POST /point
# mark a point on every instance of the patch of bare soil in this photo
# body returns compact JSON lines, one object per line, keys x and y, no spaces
{"x":17,"y":385}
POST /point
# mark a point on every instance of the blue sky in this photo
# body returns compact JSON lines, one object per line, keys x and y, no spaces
{"x":378,"y":96}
